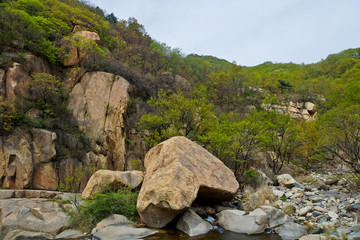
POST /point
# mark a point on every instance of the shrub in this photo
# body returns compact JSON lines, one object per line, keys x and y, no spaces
{"x":254,"y":199}
{"x":7,"y":116}
{"x":103,"y":205}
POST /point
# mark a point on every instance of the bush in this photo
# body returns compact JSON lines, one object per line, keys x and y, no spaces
{"x":254,"y":199}
{"x":100,"y":206}
{"x":7,"y":116}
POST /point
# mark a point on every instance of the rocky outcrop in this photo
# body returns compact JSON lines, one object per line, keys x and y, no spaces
{"x":178,"y":171}
{"x":98,"y":102}
{"x":26,"y":159}
{"x":14,"y":80}
{"x":116,"y":179}
{"x":169,"y":81}
{"x":298,"y":110}
{"x":38,"y":216}
{"x":75,"y":53}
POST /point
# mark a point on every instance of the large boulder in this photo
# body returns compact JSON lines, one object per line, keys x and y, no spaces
{"x":98,"y":102}
{"x":192,"y":224}
{"x":178,"y":171}
{"x":235,"y":221}
{"x":101,"y":178}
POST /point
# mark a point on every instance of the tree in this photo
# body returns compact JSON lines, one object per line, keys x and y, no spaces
{"x":175,"y":115}
{"x":111,"y":18}
{"x":341,"y":128}
{"x":278,"y":137}
{"x":233,"y":141}
{"x":48,"y":93}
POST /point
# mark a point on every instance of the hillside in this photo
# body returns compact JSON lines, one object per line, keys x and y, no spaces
{"x":102,"y":91}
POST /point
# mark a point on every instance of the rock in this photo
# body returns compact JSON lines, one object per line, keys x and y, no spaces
{"x":5,"y":193}
{"x":354,"y":236}
{"x":34,"y":114}
{"x":275,"y":216}
{"x":236,"y":221}
{"x":310,"y":107}
{"x":35,"y":215}
{"x":333,"y":215}
{"x":182,"y":84}
{"x":45,"y":177}
{"x":98,"y":102}
{"x":71,"y":234}
{"x":354,"y":208}
{"x":75,"y":55}
{"x":114,"y":219}
{"x":116,"y":179}
{"x":43,"y":145}
{"x":88,"y":35}
{"x":27,"y":235}
{"x":278,"y":193}
{"x":291,"y":231}
{"x":122,"y":232}
{"x":286,"y":180}
{"x":117,"y":227}
{"x":320,"y":209}
{"x":331,"y":182}
{"x":304,"y":211}
{"x":70,"y":166}
{"x":311,"y":237}
{"x":178,"y":171}
{"x":192,"y":224}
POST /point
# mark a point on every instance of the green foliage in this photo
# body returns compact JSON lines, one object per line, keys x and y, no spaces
{"x":233,"y":140}
{"x":278,"y":137}
{"x":7,"y":117}
{"x":72,"y":181}
{"x":175,"y":115}
{"x":341,"y":130}
{"x":48,"y":94}
{"x":101,"y":206}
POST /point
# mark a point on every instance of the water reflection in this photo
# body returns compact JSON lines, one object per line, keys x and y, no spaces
{"x":174,"y":234}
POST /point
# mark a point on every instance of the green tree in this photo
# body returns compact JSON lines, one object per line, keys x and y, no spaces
{"x":278,"y":137}
{"x":7,"y":116}
{"x":48,"y":93}
{"x":175,"y":115}
{"x":233,"y":140}
{"x":341,"y":129}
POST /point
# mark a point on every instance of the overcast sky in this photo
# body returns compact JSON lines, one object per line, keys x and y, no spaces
{"x":249,"y":32}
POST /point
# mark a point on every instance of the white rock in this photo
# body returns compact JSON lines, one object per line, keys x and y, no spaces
{"x":333,"y":215}
{"x":286,"y":180}
{"x":192,"y":224}
{"x":303,"y":211}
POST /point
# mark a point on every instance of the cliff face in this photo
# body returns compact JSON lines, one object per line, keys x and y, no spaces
{"x":97,"y":104}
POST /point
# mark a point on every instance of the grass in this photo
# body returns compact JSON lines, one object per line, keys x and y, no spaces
{"x":254,"y":199}
{"x":100,"y":206}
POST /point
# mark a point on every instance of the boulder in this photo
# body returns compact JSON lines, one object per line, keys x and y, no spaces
{"x":275,"y":216}
{"x":192,"y":224}
{"x":311,"y":237}
{"x":291,"y":231}
{"x":25,"y":235}
{"x":310,"y":107}
{"x":98,"y":102}
{"x":236,"y":221}
{"x":71,"y":234}
{"x":34,"y":215}
{"x":87,"y":35}
{"x":101,"y":178}
{"x":117,"y":227}
{"x":178,"y":171}
{"x":286,"y":180}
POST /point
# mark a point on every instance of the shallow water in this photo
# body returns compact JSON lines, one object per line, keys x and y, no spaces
{"x":174,"y":234}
